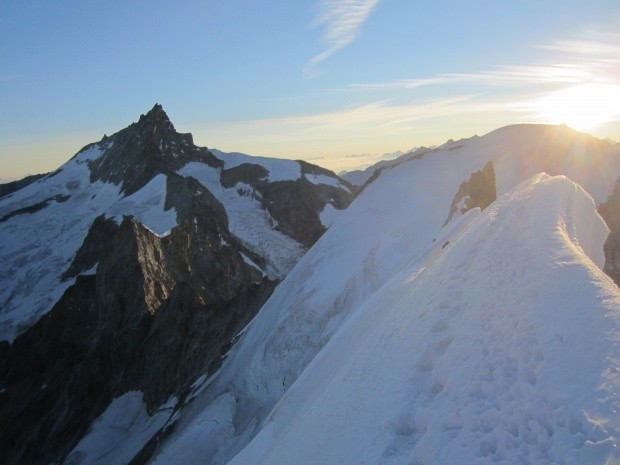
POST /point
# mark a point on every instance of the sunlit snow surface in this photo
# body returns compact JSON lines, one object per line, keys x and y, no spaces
{"x":491,"y":340}
{"x":500,"y":348}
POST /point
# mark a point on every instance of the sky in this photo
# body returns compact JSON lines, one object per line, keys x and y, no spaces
{"x":335,"y":82}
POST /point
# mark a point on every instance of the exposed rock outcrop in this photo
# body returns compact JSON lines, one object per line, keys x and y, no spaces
{"x":478,"y":191}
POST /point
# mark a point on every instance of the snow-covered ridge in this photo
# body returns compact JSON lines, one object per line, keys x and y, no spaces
{"x":522,"y":150}
{"x":495,"y":350}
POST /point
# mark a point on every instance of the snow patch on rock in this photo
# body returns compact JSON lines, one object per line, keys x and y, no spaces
{"x":147,"y":206}
{"x":249,"y":221}
{"x":329,"y":215}
{"x":279,"y":169}
{"x":318,"y":179}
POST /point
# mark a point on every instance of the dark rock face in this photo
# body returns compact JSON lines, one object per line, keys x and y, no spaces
{"x":153,"y":303}
{"x":158,"y":312}
{"x":478,"y":191}
{"x":610,"y":211}
{"x":97,"y":243}
{"x":140,"y":152}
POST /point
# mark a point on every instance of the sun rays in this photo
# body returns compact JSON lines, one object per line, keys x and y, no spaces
{"x":581,"y":107}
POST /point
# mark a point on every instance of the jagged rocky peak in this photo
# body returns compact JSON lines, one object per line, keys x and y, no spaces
{"x":151,"y":146}
{"x":157,"y":127}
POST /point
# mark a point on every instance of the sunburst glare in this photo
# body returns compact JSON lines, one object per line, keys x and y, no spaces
{"x":581,"y":107}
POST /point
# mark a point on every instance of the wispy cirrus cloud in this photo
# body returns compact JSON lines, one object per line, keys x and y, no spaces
{"x":595,"y":58}
{"x":605,"y":45}
{"x":499,"y":76}
{"x":342,"y":20}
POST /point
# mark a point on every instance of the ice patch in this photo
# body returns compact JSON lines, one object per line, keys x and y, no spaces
{"x":90,"y":154}
{"x":248,"y":261}
{"x":215,"y":420}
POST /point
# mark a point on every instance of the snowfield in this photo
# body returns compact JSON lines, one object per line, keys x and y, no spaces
{"x":121,"y":431}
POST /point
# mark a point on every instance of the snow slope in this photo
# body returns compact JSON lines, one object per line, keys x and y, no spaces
{"x":502,"y":348}
{"x":32,"y":264}
{"x":392,"y":231}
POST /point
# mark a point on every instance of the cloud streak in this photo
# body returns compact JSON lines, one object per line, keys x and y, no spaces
{"x":342,"y":20}
{"x":505,"y":76}
{"x":594,"y":59}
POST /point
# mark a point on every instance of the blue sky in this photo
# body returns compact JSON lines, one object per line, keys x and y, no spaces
{"x":337,"y":82}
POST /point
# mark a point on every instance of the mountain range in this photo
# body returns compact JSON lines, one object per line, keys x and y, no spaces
{"x":171,"y":304}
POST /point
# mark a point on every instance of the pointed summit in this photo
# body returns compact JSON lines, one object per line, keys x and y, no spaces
{"x":151,"y":146}
{"x":156,"y":116}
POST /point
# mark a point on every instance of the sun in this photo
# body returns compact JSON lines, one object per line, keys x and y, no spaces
{"x":581,"y":107}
